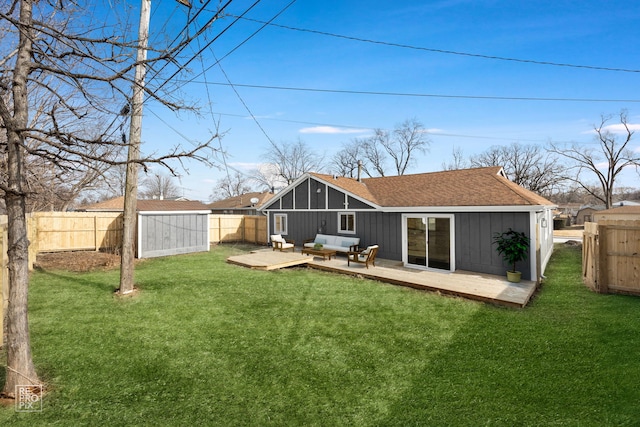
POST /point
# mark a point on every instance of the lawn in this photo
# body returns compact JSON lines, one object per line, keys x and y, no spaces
{"x":208,"y":343}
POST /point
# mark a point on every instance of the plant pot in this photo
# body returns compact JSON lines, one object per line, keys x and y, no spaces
{"x":514,"y":276}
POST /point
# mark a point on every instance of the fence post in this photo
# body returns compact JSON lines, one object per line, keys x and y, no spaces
{"x":602,"y":272}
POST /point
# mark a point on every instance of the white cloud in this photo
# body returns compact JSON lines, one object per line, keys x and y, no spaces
{"x":332,"y":130}
{"x":244,"y":165}
{"x":617,"y":128}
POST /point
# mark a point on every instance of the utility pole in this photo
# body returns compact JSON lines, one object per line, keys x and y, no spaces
{"x":133,"y":156}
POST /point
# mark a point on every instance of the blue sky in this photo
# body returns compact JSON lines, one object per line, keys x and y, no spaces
{"x":586,"y":33}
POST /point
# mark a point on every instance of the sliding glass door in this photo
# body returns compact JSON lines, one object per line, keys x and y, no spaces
{"x":428,"y":241}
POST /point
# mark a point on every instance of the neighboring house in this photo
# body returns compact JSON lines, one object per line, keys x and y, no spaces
{"x":625,"y":212}
{"x":441,"y":220}
{"x":157,"y":205}
{"x":568,"y":211}
{"x":585,"y":214}
{"x":246,"y":204}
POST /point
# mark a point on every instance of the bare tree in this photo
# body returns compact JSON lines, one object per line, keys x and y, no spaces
{"x":345,"y":161}
{"x":158,"y":186}
{"x":400,"y":145}
{"x":294,"y":159}
{"x":529,"y":166}
{"x":457,"y":160}
{"x":86,"y":70}
{"x":606,"y":161}
{"x":233,"y":185}
{"x":267,"y":177}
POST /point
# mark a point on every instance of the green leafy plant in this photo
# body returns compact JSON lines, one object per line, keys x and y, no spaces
{"x":317,"y":246}
{"x":512,"y":245}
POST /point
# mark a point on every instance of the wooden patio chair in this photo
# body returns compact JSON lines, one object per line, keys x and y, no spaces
{"x":366,"y":257}
{"x":282,"y":244}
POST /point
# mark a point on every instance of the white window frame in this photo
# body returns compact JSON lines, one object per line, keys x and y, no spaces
{"x":340,"y":230}
{"x":277,"y":224}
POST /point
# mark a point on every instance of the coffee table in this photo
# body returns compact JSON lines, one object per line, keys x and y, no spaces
{"x":324,"y":253}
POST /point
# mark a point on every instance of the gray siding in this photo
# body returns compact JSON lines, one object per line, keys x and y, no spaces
{"x":171,"y":234}
{"x":475,"y":250}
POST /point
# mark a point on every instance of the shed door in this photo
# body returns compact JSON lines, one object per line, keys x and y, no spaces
{"x":428,"y":241}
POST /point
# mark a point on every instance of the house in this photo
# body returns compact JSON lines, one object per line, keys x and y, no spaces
{"x":585,"y":214}
{"x":158,"y":205}
{"x":443,"y":220}
{"x":245,"y":204}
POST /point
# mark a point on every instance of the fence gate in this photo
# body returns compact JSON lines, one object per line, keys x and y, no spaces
{"x":611,"y":256}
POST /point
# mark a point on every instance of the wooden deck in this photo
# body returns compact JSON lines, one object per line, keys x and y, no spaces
{"x":269,"y":260}
{"x":475,"y":286}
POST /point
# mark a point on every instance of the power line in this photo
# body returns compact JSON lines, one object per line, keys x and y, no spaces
{"x":419,"y":95}
{"x":242,"y":42}
{"x":215,"y":16}
{"x":448,"y":52}
{"x":182,"y":66}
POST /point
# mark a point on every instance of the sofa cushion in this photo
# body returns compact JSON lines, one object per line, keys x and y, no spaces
{"x":335,"y":243}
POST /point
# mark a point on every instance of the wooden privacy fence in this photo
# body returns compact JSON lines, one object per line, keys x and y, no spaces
{"x":77,"y":231}
{"x":238,"y":228}
{"x":80,"y":231}
{"x":611,"y":256}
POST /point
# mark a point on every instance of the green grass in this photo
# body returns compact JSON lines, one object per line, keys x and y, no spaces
{"x":208,"y":343}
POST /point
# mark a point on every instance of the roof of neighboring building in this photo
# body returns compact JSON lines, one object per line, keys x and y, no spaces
{"x":622,"y":210}
{"x":592,"y":207}
{"x":242,"y":202}
{"x":117,"y":204}
{"x":466,"y":187}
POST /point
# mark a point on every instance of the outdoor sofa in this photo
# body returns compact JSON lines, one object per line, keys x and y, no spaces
{"x":335,"y":243}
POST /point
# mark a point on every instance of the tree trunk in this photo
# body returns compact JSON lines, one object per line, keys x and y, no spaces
{"x":20,"y":367}
{"x":135,"y":134}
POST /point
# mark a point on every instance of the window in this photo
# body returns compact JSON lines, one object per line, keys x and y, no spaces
{"x":347,"y":222}
{"x":280,"y":224}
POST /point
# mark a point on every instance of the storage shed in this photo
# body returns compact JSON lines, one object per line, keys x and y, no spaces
{"x":165,"y":227}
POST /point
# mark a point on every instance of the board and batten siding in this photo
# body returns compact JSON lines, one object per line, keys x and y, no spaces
{"x":475,"y":250}
{"x":172,"y":233}
{"x":474,"y":233}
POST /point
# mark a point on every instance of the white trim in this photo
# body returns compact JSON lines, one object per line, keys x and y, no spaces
{"x":340,"y":222}
{"x":533,"y":244}
{"x":139,"y":235}
{"x":286,"y":224}
{"x":452,"y":241}
{"x":173,"y":212}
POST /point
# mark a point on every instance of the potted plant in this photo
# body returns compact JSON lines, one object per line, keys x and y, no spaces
{"x":514,"y":247}
{"x":317,"y":246}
